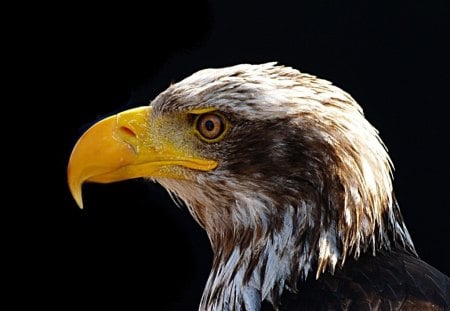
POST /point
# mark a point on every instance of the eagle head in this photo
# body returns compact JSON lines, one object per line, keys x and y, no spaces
{"x":279,"y":167}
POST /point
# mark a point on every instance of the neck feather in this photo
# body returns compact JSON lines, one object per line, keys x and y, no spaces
{"x":258,"y":263}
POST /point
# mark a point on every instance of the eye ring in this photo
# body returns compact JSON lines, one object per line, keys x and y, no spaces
{"x":210,"y":126}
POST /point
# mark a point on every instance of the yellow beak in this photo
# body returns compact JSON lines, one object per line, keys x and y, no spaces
{"x":126,"y":146}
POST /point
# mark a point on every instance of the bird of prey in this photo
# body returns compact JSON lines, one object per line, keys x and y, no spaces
{"x":290,"y":181}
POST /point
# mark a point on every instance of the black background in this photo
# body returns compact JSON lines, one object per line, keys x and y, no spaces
{"x":130,"y":245}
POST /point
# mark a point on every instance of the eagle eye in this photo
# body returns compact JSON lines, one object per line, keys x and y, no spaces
{"x":210,"y":126}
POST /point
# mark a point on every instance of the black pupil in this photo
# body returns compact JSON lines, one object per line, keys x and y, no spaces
{"x":209,"y":125}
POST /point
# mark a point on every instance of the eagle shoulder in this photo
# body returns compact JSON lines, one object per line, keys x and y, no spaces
{"x":388,"y":281}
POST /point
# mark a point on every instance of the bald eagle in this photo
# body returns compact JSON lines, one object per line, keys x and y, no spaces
{"x":290,"y":181}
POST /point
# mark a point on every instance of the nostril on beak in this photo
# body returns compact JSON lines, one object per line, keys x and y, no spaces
{"x":127,"y":131}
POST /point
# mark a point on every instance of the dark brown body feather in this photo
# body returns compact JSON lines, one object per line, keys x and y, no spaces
{"x":389,"y":281}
